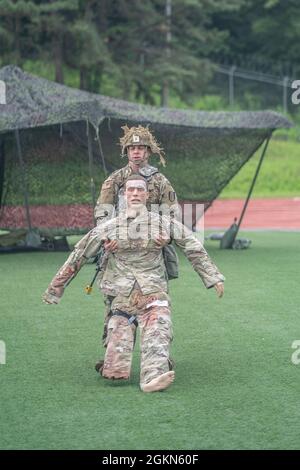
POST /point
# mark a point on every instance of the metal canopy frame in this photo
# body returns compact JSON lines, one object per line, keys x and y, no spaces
{"x":24,"y":182}
{"x":267,"y":140}
{"x":23,"y":179}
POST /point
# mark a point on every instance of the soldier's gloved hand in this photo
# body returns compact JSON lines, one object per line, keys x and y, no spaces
{"x":51,"y":296}
{"x":219,"y":287}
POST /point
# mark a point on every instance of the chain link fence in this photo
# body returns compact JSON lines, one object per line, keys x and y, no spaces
{"x":241,"y":89}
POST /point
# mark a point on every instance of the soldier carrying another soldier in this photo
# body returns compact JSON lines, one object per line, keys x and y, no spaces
{"x":137,"y":144}
{"x":139,"y":285}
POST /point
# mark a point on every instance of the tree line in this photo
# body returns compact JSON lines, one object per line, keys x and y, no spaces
{"x":148,"y":48}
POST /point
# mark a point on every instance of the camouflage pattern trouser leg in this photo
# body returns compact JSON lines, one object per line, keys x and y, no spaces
{"x":120,"y":344}
{"x":107,"y":302}
{"x":153,"y":315}
{"x":156,"y":336}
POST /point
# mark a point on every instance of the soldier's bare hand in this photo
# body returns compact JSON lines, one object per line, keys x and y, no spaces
{"x":161,"y":241}
{"x":219,"y":287}
{"x":111,"y":245}
{"x":50,"y":299}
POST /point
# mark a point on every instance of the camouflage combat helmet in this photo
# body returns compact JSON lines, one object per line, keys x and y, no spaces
{"x":140,"y":136}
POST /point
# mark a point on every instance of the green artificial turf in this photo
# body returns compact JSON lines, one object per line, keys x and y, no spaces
{"x":235,"y":386}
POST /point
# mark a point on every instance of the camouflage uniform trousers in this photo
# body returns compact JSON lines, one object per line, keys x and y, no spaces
{"x":108,"y":299}
{"x":154,"y":319}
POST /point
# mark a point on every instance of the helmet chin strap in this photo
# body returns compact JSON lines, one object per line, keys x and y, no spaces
{"x":146,"y":155}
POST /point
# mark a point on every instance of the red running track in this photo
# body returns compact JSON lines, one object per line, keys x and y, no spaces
{"x":275,"y":214}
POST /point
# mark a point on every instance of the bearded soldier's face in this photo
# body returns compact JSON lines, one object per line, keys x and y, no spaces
{"x":137,"y":154}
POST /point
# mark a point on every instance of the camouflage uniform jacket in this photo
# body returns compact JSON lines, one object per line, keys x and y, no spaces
{"x":111,"y":195}
{"x":137,"y":258}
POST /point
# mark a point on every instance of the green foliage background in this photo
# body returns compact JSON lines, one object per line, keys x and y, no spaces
{"x":133,"y":50}
{"x":120,"y":48}
{"x":279,"y":175}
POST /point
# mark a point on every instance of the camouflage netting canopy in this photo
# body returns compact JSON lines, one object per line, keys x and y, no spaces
{"x":57,"y":144}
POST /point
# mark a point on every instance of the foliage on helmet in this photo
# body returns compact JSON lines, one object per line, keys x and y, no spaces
{"x":141,"y":136}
